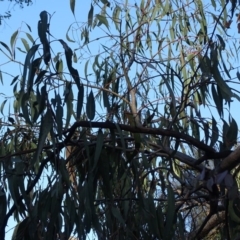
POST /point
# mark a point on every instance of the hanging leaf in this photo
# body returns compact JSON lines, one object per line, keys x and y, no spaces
{"x":215,"y":132}
{"x":28,"y":58}
{"x":72,"y":6}
{"x":102,"y":20}
{"x":98,"y":149}
{"x":232,"y":133}
{"x":90,"y":107}
{"x":12,"y":41}
{"x":30,"y":37}
{"x":25,"y":43}
{"x":218,"y":101}
{"x":73,"y":71}
{"x":80,"y":101}
{"x":45,"y":127}
{"x":90,"y":16}
{"x":59,"y":120}
{"x":6,"y":46}
{"x":2,"y":105}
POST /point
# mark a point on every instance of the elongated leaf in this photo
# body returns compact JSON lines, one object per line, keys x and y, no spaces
{"x":14,"y":80}
{"x":215,"y":133}
{"x":6,"y":46}
{"x":2,"y":105}
{"x":1,"y":78}
{"x":90,"y":16}
{"x":59,"y":120}
{"x":12,"y":41}
{"x":67,"y":36}
{"x":69,"y":101}
{"x":28,"y":58}
{"x":73,"y":71}
{"x":116,"y":213}
{"x":80,"y":101}
{"x":102,"y":20}
{"x":33,"y":68}
{"x":98,"y":150}
{"x":30,"y":37}
{"x":3,"y":205}
{"x":25,"y":43}
{"x":40,"y":76}
{"x":221,"y":41}
{"x":72,"y":6}
{"x":170,"y":215}
{"x":90,"y":107}
{"x":232,"y":132}
{"x":218,"y":100}
{"x":46,"y":126}
{"x":116,"y":16}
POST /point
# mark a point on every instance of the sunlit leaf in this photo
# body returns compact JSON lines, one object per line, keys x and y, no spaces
{"x":102,"y":20}
{"x":25,"y":43}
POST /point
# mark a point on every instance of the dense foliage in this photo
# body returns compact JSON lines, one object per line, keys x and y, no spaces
{"x":134,"y":140}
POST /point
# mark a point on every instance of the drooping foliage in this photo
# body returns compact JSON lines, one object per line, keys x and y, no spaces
{"x":127,"y":131}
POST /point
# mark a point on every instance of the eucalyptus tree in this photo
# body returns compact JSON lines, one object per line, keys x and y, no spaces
{"x":132,"y":139}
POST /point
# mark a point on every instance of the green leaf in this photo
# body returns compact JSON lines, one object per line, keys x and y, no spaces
{"x":221,"y":42}
{"x":3,"y":205}
{"x":67,"y":36}
{"x":218,"y":100}
{"x":73,"y":71}
{"x":30,"y":37}
{"x":45,"y":127}
{"x":69,"y":101}
{"x":75,"y":57}
{"x":14,"y":80}
{"x":90,"y":107}
{"x":40,"y":76}
{"x":25,"y":43}
{"x":232,"y":133}
{"x":13,"y":39}
{"x":72,"y":6}
{"x":215,"y":132}
{"x":90,"y":16}
{"x":238,"y":75}
{"x":98,"y":150}
{"x":225,"y":89}
{"x":1,"y":78}
{"x":2,"y":105}
{"x":116,"y":213}
{"x":59,"y":120}
{"x":29,"y":28}
{"x":21,"y":229}
{"x":116,"y":16}
{"x":80,"y":101}
{"x":28,"y":58}
{"x":170,"y":215}
{"x":6,"y":46}
{"x":102,"y":20}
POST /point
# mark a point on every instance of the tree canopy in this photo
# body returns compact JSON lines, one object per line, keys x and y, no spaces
{"x":132,"y":139}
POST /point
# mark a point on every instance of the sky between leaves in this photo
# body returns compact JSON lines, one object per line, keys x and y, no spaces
{"x":60,"y":22}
